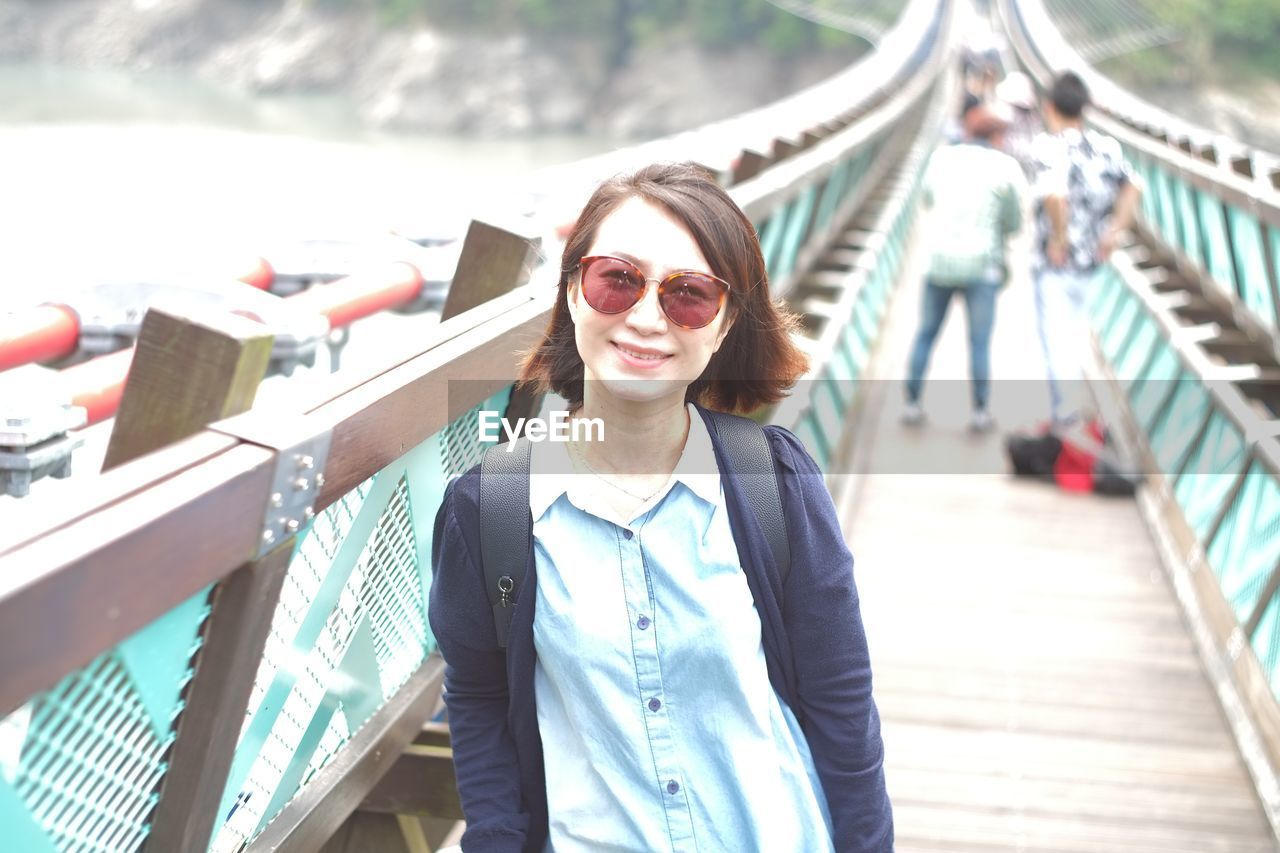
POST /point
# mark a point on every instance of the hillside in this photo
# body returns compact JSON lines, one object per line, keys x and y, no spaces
{"x":413,"y":75}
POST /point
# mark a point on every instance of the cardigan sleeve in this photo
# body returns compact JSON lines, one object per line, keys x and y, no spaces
{"x":475,"y":684}
{"x":833,"y":668}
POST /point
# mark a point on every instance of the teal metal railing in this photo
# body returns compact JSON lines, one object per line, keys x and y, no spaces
{"x":351,"y":627}
{"x":1214,"y":458}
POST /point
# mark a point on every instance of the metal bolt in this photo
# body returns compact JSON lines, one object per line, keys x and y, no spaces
{"x":277,"y":500}
{"x":268,"y":536}
{"x":309,"y":513}
{"x":292,"y":525}
{"x":319,"y":481}
{"x":300,"y":484}
{"x":306,"y":463}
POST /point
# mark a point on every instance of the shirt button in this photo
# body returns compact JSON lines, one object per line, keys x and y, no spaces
{"x":626,"y":533}
{"x":655,"y":704}
{"x":642,"y":623}
{"x":673,"y":786}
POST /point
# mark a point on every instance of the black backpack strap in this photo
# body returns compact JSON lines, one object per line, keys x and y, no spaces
{"x":749,"y":455}
{"x":505,"y":528}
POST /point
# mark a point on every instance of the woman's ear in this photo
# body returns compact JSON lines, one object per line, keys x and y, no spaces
{"x":571,"y":297}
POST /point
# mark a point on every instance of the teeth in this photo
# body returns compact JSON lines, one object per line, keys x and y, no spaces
{"x":642,"y":356}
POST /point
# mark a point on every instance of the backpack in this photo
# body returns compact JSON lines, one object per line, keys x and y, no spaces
{"x":504,"y":494}
{"x":1080,"y":462}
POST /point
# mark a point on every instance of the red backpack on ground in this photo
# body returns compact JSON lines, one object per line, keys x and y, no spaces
{"x":1078,"y":460}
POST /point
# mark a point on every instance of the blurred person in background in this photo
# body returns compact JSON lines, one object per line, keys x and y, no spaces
{"x":1017,"y":90}
{"x":1084,"y":195}
{"x":975,"y":192}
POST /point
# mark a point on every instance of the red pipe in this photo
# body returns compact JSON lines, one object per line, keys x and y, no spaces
{"x":98,"y":384}
{"x":42,"y":333}
{"x":259,"y":275}
{"x":349,"y":299}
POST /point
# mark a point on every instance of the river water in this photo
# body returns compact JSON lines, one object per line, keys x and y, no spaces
{"x":108,"y":175}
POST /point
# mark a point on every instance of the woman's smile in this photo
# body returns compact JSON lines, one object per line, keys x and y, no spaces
{"x":644,"y":358}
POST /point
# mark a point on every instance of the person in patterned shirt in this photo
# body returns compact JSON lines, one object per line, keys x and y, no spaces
{"x":1085,"y":195}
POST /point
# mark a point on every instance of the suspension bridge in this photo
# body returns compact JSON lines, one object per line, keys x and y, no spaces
{"x":220,"y":643}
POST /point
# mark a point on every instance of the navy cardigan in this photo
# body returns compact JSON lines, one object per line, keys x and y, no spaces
{"x":814,"y":643}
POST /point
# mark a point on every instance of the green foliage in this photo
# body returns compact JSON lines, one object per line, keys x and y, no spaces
{"x":711,"y":22}
{"x":1235,"y":36}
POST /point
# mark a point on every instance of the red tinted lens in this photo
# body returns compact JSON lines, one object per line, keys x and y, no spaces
{"x":691,"y":300}
{"x":611,"y":285}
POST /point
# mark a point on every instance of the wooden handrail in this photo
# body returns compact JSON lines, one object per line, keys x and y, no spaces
{"x":82,"y":584}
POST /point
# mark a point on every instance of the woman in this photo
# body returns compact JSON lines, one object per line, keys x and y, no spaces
{"x":662,"y":688}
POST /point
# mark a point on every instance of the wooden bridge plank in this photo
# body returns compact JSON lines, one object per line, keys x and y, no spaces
{"x":1197,"y":806}
{"x":1037,"y":686}
{"x":1052,"y":834}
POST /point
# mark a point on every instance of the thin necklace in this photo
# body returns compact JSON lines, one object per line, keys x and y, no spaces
{"x":582,"y":457}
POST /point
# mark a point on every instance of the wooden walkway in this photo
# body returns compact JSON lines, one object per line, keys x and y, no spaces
{"x":1038,"y":689}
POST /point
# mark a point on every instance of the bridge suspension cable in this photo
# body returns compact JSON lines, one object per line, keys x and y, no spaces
{"x":1104,"y":29}
{"x":870,"y":28}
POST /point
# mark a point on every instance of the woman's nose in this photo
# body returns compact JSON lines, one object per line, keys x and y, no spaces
{"x":646,"y":315}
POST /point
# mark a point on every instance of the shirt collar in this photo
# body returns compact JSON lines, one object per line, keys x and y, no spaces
{"x":552,"y":472}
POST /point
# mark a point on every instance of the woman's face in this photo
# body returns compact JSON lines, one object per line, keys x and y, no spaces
{"x":639,"y":354}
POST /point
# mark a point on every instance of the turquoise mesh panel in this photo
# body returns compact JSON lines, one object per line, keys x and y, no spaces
{"x":1178,"y":425}
{"x":771,"y":238}
{"x":1137,"y":355}
{"x":1117,"y":331}
{"x":1247,"y":545}
{"x":1148,"y":394}
{"x":1165,"y":217}
{"x":1210,"y":471}
{"x":839,"y":374}
{"x":1217,"y":251}
{"x":1266,"y":644}
{"x":1273,"y":239}
{"x":350,"y":628}
{"x":1150,"y":199}
{"x":811,"y":436}
{"x":832,"y":190}
{"x":1190,"y":231}
{"x":1102,"y":299}
{"x":81,"y":763}
{"x":396,"y":608}
{"x":797,"y":229}
{"x":862,"y":328}
{"x":1255,"y":290}
{"x":459,"y":439}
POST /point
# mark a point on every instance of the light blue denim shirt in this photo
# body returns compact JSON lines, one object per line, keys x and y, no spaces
{"x":659,"y":726}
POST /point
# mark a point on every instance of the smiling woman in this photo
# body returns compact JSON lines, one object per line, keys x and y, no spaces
{"x":666,"y":679}
{"x":664,"y":220}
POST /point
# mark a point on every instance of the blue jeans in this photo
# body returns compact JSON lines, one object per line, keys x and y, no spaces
{"x":1062,"y":319}
{"x":980,"y":311}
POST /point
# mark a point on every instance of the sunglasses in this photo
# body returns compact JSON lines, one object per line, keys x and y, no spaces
{"x":689,"y":299}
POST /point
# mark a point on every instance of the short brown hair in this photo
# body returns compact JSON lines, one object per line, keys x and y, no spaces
{"x":757,"y":362}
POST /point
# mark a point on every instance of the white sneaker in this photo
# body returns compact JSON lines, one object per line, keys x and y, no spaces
{"x":981,"y":421}
{"x":912,"y":415}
